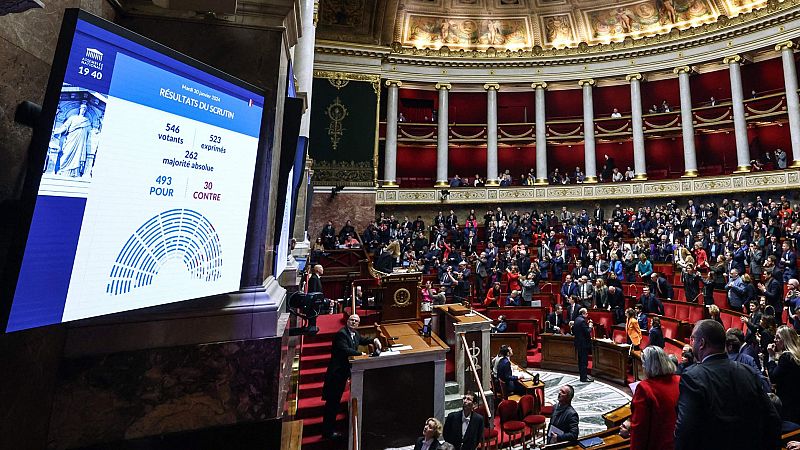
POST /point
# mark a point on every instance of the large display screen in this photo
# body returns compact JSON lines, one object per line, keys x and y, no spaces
{"x":146,"y":185}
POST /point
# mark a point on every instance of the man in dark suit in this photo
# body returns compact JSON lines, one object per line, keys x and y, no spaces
{"x":582,"y":329}
{"x":555,"y":320}
{"x":660,"y":287}
{"x":721,"y":402}
{"x":565,"y":418}
{"x":573,"y":310}
{"x":650,"y":303}
{"x":464,"y":429}
{"x":568,"y":289}
{"x":773,"y":290}
{"x":506,"y":375}
{"x":345,"y":345}
{"x":314,"y":281}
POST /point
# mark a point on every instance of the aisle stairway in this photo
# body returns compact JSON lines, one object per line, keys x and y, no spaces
{"x":314,"y":357}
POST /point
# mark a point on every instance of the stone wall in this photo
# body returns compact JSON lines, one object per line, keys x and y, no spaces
{"x":27,"y":44}
{"x":358,"y":207}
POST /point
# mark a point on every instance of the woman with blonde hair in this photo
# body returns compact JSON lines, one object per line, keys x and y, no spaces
{"x":653,"y":408}
{"x":784,"y":371}
{"x":432,"y":437}
{"x":632,"y":328}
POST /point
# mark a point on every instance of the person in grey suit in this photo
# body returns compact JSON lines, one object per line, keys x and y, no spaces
{"x":565,"y":418}
{"x":464,"y":429}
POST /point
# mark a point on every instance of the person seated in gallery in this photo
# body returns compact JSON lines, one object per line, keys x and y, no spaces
{"x":555,"y":320}
{"x":351,"y":242}
{"x":514,"y":299}
{"x":502,"y":325}
{"x":506,"y":375}
{"x":615,"y":114}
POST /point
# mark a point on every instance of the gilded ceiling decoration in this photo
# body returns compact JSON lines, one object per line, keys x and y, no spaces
{"x":514,"y":25}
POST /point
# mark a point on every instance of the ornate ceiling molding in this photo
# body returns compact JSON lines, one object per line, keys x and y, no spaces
{"x":774,"y":14}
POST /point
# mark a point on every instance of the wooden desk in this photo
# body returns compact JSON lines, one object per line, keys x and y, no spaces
{"x":558,"y":353}
{"x":616,"y":417}
{"x":610,"y":361}
{"x":611,"y":440}
{"x":411,"y":378}
{"x":518,"y":342}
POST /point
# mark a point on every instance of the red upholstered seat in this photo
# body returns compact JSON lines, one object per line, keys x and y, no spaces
{"x":696,"y":313}
{"x":490,"y":435}
{"x":527,"y":410}
{"x":669,"y":328}
{"x":547,"y":410}
{"x":510,"y":426}
{"x":681,"y":312}
{"x":669,"y":309}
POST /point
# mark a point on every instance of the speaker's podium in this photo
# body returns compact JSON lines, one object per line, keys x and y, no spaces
{"x":396,"y":392}
{"x":400,"y":296}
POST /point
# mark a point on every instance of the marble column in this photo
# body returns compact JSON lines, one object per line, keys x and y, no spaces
{"x":491,"y":134}
{"x":589,"y":157}
{"x":541,"y":133}
{"x":792,"y":101}
{"x":442,"y":133}
{"x":687,"y":128}
{"x":390,"y":158}
{"x":303,"y":63}
{"x":734,"y":63}
{"x":639,"y":160}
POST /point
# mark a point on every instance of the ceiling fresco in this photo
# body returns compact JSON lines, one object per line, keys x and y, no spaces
{"x":514,"y":24}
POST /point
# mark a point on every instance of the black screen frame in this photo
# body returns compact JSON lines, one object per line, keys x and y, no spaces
{"x":37,"y":149}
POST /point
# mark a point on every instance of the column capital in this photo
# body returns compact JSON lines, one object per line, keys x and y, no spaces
{"x":682,"y":69}
{"x":634,"y":76}
{"x":733,"y":59}
{"x":539,"y":85}
{"x":589,"y":81}
{"x":788,"y":45}
{"x":447,"y":86}
{"x":397,"y":83}
{"x":489,"y":86}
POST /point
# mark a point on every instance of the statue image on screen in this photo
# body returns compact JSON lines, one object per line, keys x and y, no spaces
{"x":76,"y":134}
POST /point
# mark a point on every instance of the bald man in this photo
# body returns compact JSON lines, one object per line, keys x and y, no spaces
{"x":345,"y":345}
{"x":722,"y":403}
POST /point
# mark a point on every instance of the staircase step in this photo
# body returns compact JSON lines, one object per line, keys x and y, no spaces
{"x":313,"y":425}
{"x":308,"y":390}
{"x":312,"y":374}
{"x":452,"y":401}
{"x":450,"y":387}
{"x":319,"y":360}
{"x":308,"y":408}
{"x":316,"y":348}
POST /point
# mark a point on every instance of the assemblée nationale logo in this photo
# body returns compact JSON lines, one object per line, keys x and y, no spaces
{"x":93,"y":59}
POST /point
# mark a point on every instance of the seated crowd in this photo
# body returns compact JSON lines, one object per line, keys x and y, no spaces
{"x":746,"y":248}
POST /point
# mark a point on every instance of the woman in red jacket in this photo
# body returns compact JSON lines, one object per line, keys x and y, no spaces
{"x":653,"y":409}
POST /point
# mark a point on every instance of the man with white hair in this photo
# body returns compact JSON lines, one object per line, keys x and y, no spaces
{"x":345,"y":345}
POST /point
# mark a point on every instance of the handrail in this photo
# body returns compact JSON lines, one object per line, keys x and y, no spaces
{"x":354,"y":421}
{"x":475,"y":374}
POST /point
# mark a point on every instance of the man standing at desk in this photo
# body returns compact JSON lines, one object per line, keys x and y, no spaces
{"x":582,"y":329}
{"x":345,"y":345}
{"x":464,"y":429}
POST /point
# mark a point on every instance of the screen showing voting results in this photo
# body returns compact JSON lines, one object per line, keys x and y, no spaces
{"x":146,"y":186}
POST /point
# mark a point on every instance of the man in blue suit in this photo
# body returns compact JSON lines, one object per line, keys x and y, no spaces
{"x":736,"y":291}
{"x":506,"y":375}
{"x":568,"y":289}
